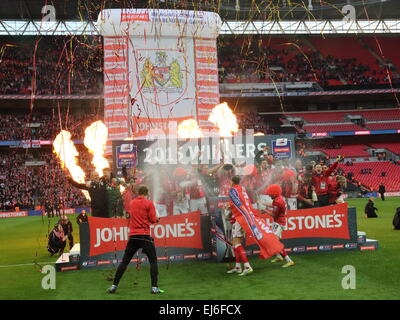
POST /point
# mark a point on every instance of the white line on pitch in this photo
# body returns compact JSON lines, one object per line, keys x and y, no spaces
{"x":25,"y":264}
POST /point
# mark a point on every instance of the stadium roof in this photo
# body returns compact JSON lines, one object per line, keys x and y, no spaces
{"x":272,"y":17}
{"x":227,"y":9}
{"x":327,"y":27}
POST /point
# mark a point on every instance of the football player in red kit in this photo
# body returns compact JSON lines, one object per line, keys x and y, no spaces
{"x":320,"y":181}
{"x":238,"y":235}
{"x":197,"y":193}
{"x":263,"y":180}
{"x":335,"y":189}
{"x":278,"y":213}
{"x":286,"y":178}
{"x":179,"y":191}
{"x":304,"y":196}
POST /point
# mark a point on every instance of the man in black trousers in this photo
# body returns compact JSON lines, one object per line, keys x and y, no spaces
{"x":142,"y":214}
{"x":382,"y":191}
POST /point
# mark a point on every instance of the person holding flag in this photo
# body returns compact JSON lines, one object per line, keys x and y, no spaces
{"x":237,"y":239}
{"x":242,"y":211}
{"x":278,"y":213}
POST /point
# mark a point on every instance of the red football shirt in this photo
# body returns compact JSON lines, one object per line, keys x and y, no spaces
{"x":334,"y":191}
{"x":142,"y":214}
{"x":279,"y":211}
{"x":196,"y":189}
{"x":321,"y":181}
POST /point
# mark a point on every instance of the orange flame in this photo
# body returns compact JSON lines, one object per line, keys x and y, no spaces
{"x":189,"y":129}
{"x":65,"y":150}
{"x":223,"y":117}
{"x":95,"y":140}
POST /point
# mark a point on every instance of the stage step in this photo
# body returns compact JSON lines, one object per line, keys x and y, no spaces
{"x":369,"y":245}
{"x":70,"y":260}
{"x":361,"y":237}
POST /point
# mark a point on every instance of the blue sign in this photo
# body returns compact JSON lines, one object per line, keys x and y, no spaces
{"x":126,"y":155}
{"x":282,"y":148}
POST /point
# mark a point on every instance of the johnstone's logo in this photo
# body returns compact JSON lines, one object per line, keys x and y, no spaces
{"x":111,"y":234}
{"x":176,"y":230}
{"x":315,"y":222}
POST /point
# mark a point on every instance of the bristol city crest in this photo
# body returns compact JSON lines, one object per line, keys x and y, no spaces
{"x":161,"y":72}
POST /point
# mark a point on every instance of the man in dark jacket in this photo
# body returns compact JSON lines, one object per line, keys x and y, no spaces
{"x":114,"y":199}
{"x":370,"y":209}
{"x":48,"y":207}
{"x":97,"y":189}
{"x":82,"y":218}
{"x":382,"y":191}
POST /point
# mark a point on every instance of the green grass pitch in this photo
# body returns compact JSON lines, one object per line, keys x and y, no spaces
{"x":315,"y":276}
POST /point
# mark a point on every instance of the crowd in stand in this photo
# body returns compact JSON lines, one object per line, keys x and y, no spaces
{"x":255,"y":63}
{"x":253,"y":121}
{"x":64,"y":65}
{"x":43,"y":126}
{"x":27,"y":186}
{"x":51,"y":65}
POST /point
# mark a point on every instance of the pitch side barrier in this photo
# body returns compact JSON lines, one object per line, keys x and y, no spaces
{"x":30,"y":213}
{"x":195,"y":236}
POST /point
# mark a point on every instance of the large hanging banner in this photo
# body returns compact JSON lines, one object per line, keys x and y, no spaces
{"x":160,"y":67}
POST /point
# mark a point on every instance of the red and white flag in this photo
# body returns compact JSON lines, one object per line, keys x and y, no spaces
{"x":268,"y":242}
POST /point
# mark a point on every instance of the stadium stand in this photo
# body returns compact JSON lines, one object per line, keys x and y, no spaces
{"x":364,"y":69}
{"x":379,"y":115}
{"x":44,"y":126}
{"x":320,"y":117}
{"x":251,"y":120}
{"x":332,"y":128}
{"x":383,"y":125}
{"x":348,"y":151}
{"x":321,"y":60}
{"x":49,"y":69}
{"x":391,"y":180}
{"x":26,"y":186}
{"x":392,"y":147}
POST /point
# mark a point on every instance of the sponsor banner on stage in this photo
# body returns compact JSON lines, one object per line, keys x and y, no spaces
{"x":326,"y":222}
{"x":326,"y":229}
{"x":180,"y":237}
{"x":112,"y":234}
{"x":13,"y":214}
